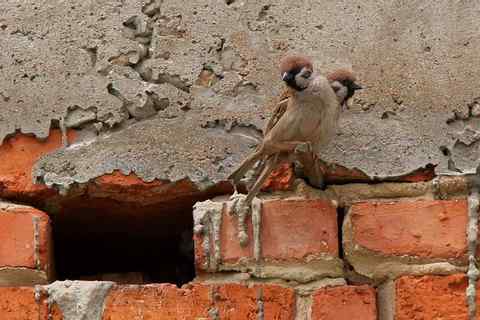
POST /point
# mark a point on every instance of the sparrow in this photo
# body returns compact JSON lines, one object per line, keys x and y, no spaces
{"x":304,"y":119}
{"x":343,"y":83}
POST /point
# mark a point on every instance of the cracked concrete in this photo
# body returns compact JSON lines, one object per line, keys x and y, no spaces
{"x":170,"y":90}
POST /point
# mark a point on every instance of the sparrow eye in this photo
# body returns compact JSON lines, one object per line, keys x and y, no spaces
{"x":307,"y":74}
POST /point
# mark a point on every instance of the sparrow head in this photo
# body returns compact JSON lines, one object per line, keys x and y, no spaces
{"x":343,"y":83}
{"x":296,"y":70}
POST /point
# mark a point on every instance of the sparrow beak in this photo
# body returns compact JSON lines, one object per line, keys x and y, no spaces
{"x":356,"y":86}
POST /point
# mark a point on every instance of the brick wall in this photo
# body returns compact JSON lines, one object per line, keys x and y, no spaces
{"x":393,"y":250}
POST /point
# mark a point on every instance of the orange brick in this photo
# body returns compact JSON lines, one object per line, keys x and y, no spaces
{"x":335,"y":173}
{"x":236,"y":302}
{"x":432,"y":297}
{"x":231,"y":250}
{"x":280,"y":179}
{"x":227,"y":301}
{"x":25,"y":238}
{"x":278,"y":302}
{"x":345,"y":303}
{"x":292,"y":231}
{"x":160,"y":302}
{"x":426,"y":229}
{"x":297,"y":229}
{"x":20,"y":304}
{"x":130,"y":188}
{"x":239,"y":302}
{"x":18,"y":154}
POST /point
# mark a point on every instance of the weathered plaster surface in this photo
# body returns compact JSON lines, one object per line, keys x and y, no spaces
{"x":173,"y":89}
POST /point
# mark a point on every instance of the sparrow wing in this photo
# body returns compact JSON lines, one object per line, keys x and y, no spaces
{"x":278,"y":112}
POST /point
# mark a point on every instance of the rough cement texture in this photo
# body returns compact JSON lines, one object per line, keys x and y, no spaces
{"x":79,"y":300}
{"x":171,"y":89}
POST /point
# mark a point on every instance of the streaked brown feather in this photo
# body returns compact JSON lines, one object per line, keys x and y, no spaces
{"x":294,"y":61}
{"x":341,"y":75}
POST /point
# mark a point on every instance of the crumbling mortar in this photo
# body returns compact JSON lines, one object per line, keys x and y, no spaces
{"x":260,"y":304}
{"x":303,"y":307}
{"x":207,"y":217}
{"x":237,"y":206}
{"x":36,"y":242}
{"x":472,"y":238}
{"x":257,"y":207}
{"x":214,"y":314}
{"x":216,"y":223}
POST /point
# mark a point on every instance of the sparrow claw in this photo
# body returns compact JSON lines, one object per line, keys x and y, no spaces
{"x":305,"y":147}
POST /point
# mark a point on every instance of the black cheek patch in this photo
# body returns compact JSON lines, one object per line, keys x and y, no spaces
{"x":290,"y":79}
{"x":350,"y":90}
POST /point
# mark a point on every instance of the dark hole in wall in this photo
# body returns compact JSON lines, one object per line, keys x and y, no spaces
{"x":102,"y":239}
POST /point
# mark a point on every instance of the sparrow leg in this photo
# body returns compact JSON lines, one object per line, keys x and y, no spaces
{"x":246,"y":164}
{"x":258,"y":170}
{"x":304,"y":148}
{"x":270,"y":165}
{"x":242,"y":205}
{"x":235,"y":189}
{"x":266,"y":149}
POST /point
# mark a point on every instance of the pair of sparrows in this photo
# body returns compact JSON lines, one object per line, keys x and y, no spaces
{"x":304,"y":120}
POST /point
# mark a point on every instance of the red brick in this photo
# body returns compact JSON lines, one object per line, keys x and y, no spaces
{"x":422,"y":174}
{"x":291,"y":230}
{"x":130,"y":188}
{"x":426,"y":229}
{"x":18,"y":154}
{"x":200,"y":254}
{"x":280,"y":179}
{"x":239,"y":302}
{"x":431,"y":297}
{"x":19,"y":245}
{"x":160,"y":302}
{"x":236,"y":302}
{"x":228,"y":301}
{"x":335,"y":173}
{"x":278,"y":302}
{"x":345,"y":303}
{"x":298,"y":229}
{"x":20,"y":304}
{"x":230,"y":248}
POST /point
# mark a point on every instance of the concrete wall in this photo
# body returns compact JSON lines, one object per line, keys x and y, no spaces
{"x":118,"y":118}
{"x":129,"y":75}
